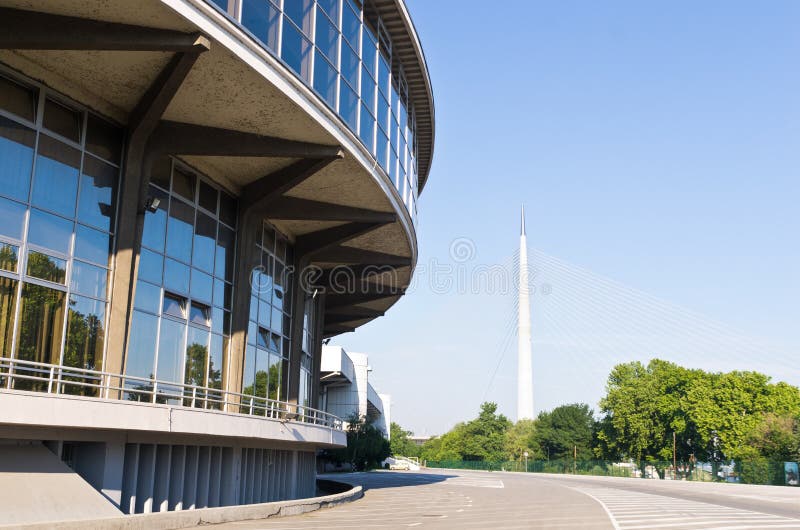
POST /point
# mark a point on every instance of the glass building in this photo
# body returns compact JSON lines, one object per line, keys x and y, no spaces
{"x":195,"y":194}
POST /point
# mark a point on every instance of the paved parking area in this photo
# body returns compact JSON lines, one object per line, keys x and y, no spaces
{"x":485,"y":500}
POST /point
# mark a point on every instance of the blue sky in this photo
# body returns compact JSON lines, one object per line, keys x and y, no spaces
{"x":654,"y":143}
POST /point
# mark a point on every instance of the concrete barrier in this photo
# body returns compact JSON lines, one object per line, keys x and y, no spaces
{"x":192,"y":518}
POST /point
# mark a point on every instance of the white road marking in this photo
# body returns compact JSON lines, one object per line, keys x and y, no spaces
{"x":631,"y":510}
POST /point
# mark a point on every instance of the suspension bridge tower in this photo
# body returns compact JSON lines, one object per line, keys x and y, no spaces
{"x":524,"y":356}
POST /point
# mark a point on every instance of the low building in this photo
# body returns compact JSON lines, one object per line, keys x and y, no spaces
{"x":345,"y":389}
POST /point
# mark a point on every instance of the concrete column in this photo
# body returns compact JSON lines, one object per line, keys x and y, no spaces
{"x":247,"y":258}
{"x":113,"y":471}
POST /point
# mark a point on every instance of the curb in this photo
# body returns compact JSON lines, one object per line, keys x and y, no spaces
{"x":203,"y":516}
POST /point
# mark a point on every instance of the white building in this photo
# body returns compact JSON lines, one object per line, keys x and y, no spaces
{"x":346,"y":390}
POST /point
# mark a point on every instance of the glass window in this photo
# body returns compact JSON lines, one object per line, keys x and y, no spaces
{"x":46,"y":267}
{"x":51,"y":232}
{"x":383,"y":113}
{"x":222,"y":294}
{"x":183,"y":184}
{"x":261,"y":18}
{"x":249,"y":375}
{"x":180,"y":228}
{"x":224,"y":255}
{"x":155,"y":223}
{"x":12,"y":218}
{"x":96,"y":200}
{"x":205,"y":235}
{"x":327,"y":37}
{"x":62,"y":120}
{"x":41,"y":324}
{"x":369,"y":54}
{"x":148,"y":297}
{"x":9,"y":256}
{"x":367,"y":131}
{"x":196,"y":357}
{"x":383,"y":75}
{"x":350,"y":66}
{"x":92,"y":245}
{"x":176,"y":276}
{"x":227,"y":209}
{"x":171,"y":348}
{"x":215,"y":363}
{"x":151,"y":265}
{"x":299,"y":11}
{"x":161,"y":172}
{"x":202,"y":286}
{"x":200,"y":314}
{"x":103,"y":139}
{"x":8,"y":307}
{"x":55,"y":185}
{"x":295,"y":50}
{"x":17,"y":99}
{"x":219,"y":320}
{"x":351,"y":26}
{"x":275,"y":372}
{"x":325,"y":80}
{"x":142,"y":347}
{"x":348,"y":106}
{"x":85,"y":333}
{"x":330,"y":7}
{"x":16,"y":151}
{"x":174,"y":305}
{"x":207,"y":197}
{"x":382,"y":150}
{"x":88,"y":280}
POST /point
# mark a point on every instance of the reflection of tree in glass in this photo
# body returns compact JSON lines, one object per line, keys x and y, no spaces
{"x":83,"y":349}
{"x":8,"y":297}
{"x":196,"y":355}
{"x":8,"y":257}
{"x":41,"y":320}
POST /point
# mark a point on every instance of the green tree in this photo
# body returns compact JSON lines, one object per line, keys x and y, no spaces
{"x":366,"y":446}
{"x":561,"y":430}
{"x":521,"y":437}
{"x":399,"y":442}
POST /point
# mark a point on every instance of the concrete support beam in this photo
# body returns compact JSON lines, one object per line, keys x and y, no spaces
{"x":143,"y":121}
{"x":334,"y":300}
{"x":293,"y":209}
{"x":349,"y":255}
{"x":333,"y":330}
{"x":344,"y":318}
{"x":177,"y":138}
{"x":355,"y":312}
{"x":32,"y":30}
{"x":311,"y":244}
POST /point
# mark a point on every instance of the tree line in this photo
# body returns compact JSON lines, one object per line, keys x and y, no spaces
{"x":647,"y":412}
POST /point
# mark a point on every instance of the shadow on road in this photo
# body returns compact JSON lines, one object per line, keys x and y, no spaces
{"x":387,"y":479}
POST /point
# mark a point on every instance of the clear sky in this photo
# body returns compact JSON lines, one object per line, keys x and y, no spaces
{"x":654,"y":143}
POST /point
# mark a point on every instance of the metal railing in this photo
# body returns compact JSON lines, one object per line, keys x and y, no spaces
{"x":65,"y":380}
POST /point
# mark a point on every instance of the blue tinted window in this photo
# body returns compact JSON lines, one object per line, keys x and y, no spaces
{"x":142,"y":347}
{"x":12,"y":217}
{"x":155,"y":223}
{"x":295,"y":50}
{"x":248,"y":379}
{"x":261,"y":18}
{"x":55,"y":185}
{"x":205,"y":236}
{"x":299,"y":11}
{"x":382,"y":150}
{"x":383,"y":113}
{"x":170,"y":351}
{"x":148,"y":297}
{"x":224,"y":255}
{"x":180,"y":228}
{"x":348,"y":106}
{"x":88,"y":280}
{"x":368,"y":90}
{"x":325,"y":80}
{"x":176,"y":276}
{"x":369,"y":53}
{"x":222,"y":294}
{"x":202,"y":286}
{"x":351,"y":26}
{"x":151,"y":266}
{"x":92,"y":245}
{"x":16,"y":152}
{"x":327,"y":37}
{"x":383,"y":75}
{"x":367,"y":129}
{"x":350,"y":66}
{"x":84,"y":345}
{"x":49,"y":231}
{"x":95,"y":204}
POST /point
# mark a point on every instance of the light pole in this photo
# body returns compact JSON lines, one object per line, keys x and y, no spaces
{"x":525,"y":454}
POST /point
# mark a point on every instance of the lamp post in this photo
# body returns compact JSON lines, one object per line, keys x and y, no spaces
{"x":525,"y":454}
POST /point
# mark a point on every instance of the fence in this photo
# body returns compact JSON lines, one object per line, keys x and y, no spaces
{"x":18,"y":374}
{"x":749,"y":472}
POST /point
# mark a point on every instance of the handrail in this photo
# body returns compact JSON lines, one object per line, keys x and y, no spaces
{"x":66,"y":380}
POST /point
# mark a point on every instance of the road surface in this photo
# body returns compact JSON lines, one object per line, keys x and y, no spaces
{"x":492,"y":500}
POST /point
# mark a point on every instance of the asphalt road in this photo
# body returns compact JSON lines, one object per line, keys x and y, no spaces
{"x":485,"y":500}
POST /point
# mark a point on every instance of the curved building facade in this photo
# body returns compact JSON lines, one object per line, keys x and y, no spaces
{"x":194,"y":194}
